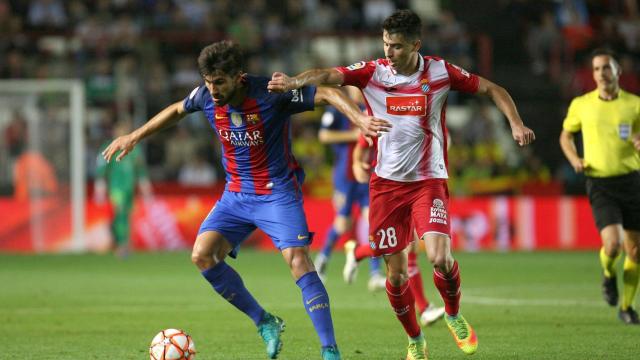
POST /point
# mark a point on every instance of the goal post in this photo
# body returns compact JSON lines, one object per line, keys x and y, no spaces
{"x":26,"y":96}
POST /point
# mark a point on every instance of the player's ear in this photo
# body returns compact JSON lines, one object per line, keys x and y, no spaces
{"x":417,"y":44}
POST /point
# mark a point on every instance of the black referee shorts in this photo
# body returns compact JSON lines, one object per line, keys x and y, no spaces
{"x":615,"y":200}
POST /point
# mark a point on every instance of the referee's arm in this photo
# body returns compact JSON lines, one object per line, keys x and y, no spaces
{"x":568,"y":146}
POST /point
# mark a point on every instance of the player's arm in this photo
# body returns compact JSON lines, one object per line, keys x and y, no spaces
{"x":360,"y":164}
{"x":369,"y":125}
{"x":568,"y":145}
{"x":171,"y":115}
{"x":521,"y":134}
{"x":281,"y":82}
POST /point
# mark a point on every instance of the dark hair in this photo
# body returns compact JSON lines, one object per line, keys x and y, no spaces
{"x":223,"y":56}
{"x":604,"y":52}
{"x":404,"y":22}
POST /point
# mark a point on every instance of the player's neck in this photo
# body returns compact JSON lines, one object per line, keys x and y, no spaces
{"x":609,"y":93}
{"x":412,"y":67}
{"x":238,"y":97}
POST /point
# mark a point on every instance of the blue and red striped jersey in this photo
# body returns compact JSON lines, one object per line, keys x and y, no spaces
{"x":256,"y":136}
{"x":334,"y":120}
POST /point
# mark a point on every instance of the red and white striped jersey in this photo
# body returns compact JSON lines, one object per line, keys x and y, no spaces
{"x":416,"y":146}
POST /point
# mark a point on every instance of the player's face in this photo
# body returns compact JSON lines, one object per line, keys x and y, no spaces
{"x":222,"y":87}
{"x":606,"y":71}
{"x":401,"y":53}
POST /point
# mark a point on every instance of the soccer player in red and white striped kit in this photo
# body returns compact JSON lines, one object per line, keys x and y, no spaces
{"x":408,"y":187}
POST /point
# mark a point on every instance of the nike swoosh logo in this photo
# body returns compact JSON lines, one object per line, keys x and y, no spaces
{"x":313,"y":299}
{"x":302,"y":237}
{"x":220,"y":117}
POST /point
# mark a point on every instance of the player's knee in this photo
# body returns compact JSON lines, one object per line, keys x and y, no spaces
{"x":341,"y":224}
{"x":397,"y":278}
{"x":202,"y":261}
{"x":439,"y":261}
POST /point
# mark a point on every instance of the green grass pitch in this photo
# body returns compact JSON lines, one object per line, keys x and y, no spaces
{"x":523,"y":306}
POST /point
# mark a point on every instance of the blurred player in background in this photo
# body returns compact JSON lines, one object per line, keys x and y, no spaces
{"x":408,"y":189}
{"x":428,"y":312}
{"x":336,"y":130}
{"x":263,"y":182}
{"x":116,"y":182}
{"x":609,"y":119}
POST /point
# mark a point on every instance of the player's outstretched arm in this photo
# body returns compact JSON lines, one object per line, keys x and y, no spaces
{"x":568,"y":146}
{"x":281,"y":82}
{"x":636,"y":141}
{"x":369,"y":125}
{"x":521,"y":134}
{"x":124,"y":144}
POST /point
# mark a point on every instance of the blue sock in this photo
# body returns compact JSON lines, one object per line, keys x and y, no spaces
{"x":329,"y":242}
{"x":229,"y":285}
{"x":374,"y":265}
{"x":316,"y":302}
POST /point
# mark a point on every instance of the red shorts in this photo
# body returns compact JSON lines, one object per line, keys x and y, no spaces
{"x":396,"y":208}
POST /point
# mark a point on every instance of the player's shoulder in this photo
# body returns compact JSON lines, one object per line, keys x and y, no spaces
{"x":429,"y":58}
{"x":585,"y":98}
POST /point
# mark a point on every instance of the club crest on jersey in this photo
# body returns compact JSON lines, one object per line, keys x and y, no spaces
{"x":356,"y":66}
{"x":253,"y":118}
{"x":407,"y":105}
{"x":424,"y":85}
{"x":236,"y":119}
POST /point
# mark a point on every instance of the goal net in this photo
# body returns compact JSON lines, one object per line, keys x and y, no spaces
{"x":42,"y":162}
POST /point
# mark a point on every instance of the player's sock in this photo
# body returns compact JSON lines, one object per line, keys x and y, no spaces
{"x":449,"y":287}
{"x":316,"y":302}
{"x":228,"y":283}
{"x":415,"y":283}
{"x":608,"y":263}
{"x":363,"y":251}
{"x":402,"y":302}
{"x":329,"y":242}
{"x":630,"y":277}
{"x":374,"y":265}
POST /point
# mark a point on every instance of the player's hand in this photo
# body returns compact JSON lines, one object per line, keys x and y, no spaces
{"x":361,"y":171}
{"x":372,"y":127}
{"x":523,"y":135}
{"x":636,"y":141}
{"x":578,"y":165}
{"x":281,"y":83}
{"x":124,"y":144}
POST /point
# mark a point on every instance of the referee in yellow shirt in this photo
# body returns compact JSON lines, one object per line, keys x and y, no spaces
{"x":609,"y":119}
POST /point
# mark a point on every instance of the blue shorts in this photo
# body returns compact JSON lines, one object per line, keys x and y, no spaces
{"x":348,"y":193}
{"x":279,"y":215}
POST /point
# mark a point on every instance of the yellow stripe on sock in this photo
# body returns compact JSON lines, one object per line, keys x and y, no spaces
{"x":630,"y":277}
{"x":608,"y":263}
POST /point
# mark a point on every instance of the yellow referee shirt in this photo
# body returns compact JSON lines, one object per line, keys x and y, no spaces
{"x":607,"y":127}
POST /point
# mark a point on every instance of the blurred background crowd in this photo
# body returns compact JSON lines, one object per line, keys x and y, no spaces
{"x":137,"y":56}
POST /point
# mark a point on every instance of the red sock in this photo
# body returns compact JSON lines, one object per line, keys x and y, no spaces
{"x":401,"y":300}
{"x":363,"y":251}
{"x":415,"y":283}
{"x":449,"y":287}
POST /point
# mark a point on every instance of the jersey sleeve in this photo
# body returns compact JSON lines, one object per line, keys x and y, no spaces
{"x":196,"y":99}
{"x":358,"y":74}
{"x":461,"y":79}
{"x":298,"y":100}
{"x":572,"y":122}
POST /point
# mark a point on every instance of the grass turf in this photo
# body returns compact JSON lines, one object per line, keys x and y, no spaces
{"x":523,"y":306}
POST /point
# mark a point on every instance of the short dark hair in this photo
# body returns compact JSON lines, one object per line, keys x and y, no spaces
{"x":223,"y":56}
{"x":603,"y":51}
{"x":404,"y":22}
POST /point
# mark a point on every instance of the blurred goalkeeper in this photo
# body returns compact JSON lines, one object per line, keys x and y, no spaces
{"x":117,"y":181}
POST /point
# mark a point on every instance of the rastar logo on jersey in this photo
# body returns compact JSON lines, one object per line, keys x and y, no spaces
{"x":407,"y":105}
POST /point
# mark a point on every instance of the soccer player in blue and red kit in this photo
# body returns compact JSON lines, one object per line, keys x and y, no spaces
{"x":263,"y":182}
{"x":337,"y":131}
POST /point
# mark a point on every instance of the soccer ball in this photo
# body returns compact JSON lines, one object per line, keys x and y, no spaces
{"x":172,"y":344}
